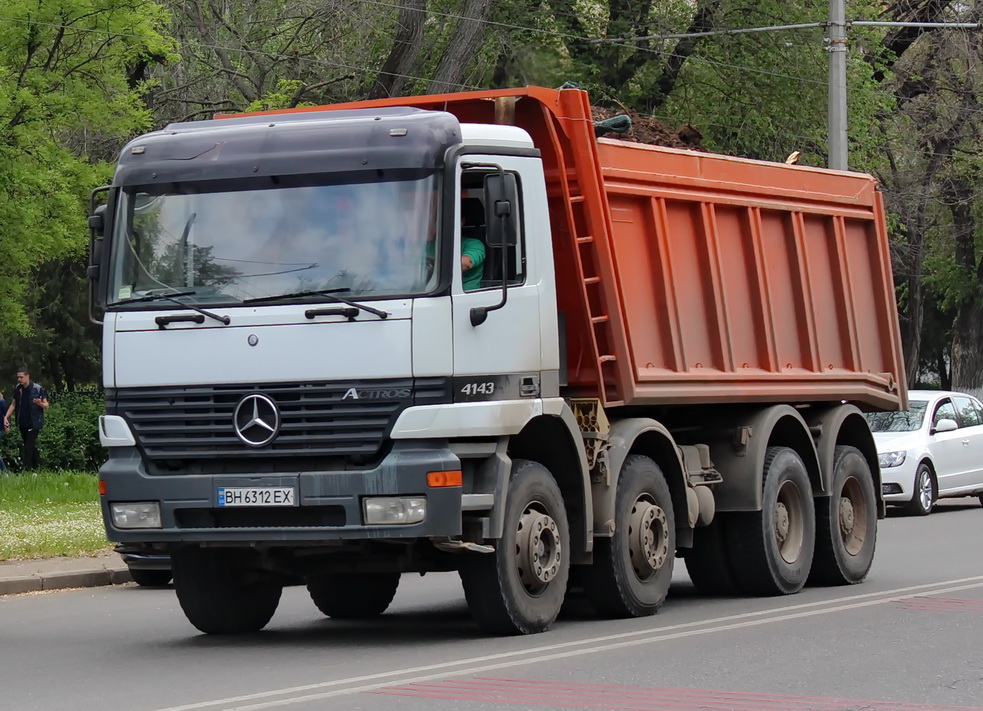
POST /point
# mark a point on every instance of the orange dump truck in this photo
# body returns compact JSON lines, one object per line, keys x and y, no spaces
{"x":461,"y":333}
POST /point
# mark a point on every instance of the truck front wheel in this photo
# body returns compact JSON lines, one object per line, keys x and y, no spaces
{"x":353,"y":596}
{"x":771,"y":550}
{"x":846,"y":522}
{"x":631,"y":571}
{"x":150,"y":578}
{"x":221,"y":592}
{"x":519,"y":588}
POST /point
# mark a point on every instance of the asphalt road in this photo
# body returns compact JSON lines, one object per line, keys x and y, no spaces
{"x":908,"y":639}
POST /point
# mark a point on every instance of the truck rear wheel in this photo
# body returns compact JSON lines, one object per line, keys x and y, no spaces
{"x":708,"y":561}
{"x":353,"y":596}
{"x":771,"y":550}
{"x":519,"y":588}
{"x":221,"y":593}
{"x":631,"y":571}
{"x":846,"y":522}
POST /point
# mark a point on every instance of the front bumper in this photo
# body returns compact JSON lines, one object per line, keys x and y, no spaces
{"x":138,"y":559}
{"x":328,"y":503}
{"x":903,"y":477}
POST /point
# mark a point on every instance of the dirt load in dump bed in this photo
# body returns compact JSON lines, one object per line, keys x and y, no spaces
{"x":647,"y":129}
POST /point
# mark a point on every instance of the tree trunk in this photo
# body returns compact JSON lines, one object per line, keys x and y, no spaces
{"x":911,"y":328}
{"x":703,"y":20}
{"x":967,"y":356}
{"x":404,"y":57}
{"x":462,"y":48}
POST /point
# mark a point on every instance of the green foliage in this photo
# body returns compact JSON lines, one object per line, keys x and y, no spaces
{"x":63,"y":83}
{"x":70,"y":437}
{"x":47,"y":514}
{"x":283,"y":96}
{"x":764,"y":95}
{"x":62,"y":348}
{"x":77,"y":77}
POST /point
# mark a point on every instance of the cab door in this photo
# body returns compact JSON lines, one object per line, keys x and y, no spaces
{"x":501,"y":350}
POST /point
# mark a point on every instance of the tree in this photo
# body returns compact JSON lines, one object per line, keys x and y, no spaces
{"x":64,"y":81}
{"x":933,"y":144}
{"x":62,"y":348}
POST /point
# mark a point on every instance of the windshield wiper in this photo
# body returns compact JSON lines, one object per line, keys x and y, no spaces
{"x":332,"y":295}
{"x":172,"y":297}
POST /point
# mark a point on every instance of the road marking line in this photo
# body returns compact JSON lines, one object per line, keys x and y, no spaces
{"x":551,"y":652}
{"x":641,"y":698}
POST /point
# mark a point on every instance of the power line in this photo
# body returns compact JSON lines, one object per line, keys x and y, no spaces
{"x":254,"y":52}
{"x":494,"y":23}
{"x":342,"y":65}
{"x":275,"y":55}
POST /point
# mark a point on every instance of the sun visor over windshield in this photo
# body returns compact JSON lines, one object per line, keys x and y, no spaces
{"x":290,"y":144}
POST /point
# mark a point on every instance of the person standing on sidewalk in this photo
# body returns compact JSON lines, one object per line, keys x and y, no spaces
{"x":3,"y":408}
{"x":29,"y":403}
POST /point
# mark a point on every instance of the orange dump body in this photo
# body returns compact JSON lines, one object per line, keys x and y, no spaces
{"x":688,"y":277}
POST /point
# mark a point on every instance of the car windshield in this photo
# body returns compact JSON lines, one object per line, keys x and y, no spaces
{"x":229,"y":245}
{"x":905,"y":421}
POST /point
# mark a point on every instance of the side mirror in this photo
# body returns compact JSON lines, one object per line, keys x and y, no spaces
{"x":97,"y":221}
{"x":97,"y":228}
{"x":501,"y":208}
{"x":946,"y":425}
{"x":97,"y":231}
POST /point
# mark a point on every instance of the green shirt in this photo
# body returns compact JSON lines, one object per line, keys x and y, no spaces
{"x":474,"y":248}
{"x":470,"y":247}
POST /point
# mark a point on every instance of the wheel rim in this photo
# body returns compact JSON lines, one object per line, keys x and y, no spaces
{"x":538,"y":550}
{"x":648,"y":537}
{"x":788,"y":523}
{"x":853,"y":514}
{"x":925,"y":489}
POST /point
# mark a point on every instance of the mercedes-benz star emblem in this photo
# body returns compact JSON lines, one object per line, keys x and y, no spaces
{"x":256,"y":420}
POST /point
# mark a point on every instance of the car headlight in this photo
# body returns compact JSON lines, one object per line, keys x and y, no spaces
{"x":891,"y":459}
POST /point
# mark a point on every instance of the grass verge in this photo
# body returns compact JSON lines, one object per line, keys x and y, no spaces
{"x":50,"y":514}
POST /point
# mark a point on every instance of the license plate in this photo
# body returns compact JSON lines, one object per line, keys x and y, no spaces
{"x":256,"y":496}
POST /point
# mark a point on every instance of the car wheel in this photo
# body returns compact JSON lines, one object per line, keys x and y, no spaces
{"x":923,"y":496}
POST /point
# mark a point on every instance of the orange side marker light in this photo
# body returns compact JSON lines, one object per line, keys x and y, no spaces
{"x":441,"y":479}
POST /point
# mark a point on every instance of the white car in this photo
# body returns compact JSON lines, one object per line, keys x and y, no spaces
{"x":930,"y":451}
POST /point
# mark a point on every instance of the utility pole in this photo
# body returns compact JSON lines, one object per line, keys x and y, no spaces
{"x":836,"y":116}
{"x":836,"y":110}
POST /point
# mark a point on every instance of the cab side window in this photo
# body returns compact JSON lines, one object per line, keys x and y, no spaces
{"x":474,"y":249}
{"x":474,"y":211}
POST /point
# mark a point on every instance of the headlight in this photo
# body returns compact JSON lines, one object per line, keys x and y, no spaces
{"x":394,"y":510}
{"x":143,"y":514}
{"x":891,"y":459}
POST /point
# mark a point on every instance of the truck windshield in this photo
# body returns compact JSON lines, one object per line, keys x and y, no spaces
{"x":369,"y":239}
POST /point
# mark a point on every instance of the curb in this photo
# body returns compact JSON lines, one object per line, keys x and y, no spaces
{"x":62,"y":581}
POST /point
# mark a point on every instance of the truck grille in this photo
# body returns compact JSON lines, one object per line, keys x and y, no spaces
{"x":177,"y":426}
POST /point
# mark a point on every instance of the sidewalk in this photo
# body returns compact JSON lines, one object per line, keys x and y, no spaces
{"x":21,"y":576}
